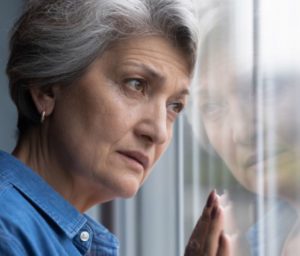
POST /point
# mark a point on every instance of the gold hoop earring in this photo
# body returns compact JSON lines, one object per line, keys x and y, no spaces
{"x":43,"y":116}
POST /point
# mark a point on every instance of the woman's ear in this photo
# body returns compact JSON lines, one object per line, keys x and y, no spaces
{"x":44,"y":99}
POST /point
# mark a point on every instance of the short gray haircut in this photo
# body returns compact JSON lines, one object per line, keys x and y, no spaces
{"x":55,"y":41}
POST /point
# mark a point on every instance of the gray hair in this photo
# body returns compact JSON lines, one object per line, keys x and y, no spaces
{"x":55,"y":41}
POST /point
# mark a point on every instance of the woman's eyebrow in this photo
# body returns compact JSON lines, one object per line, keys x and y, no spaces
{"x":203,"y":93}
{"x":209,"y":94}
{"x":154,"y":74}
{"x":150,"y":71}
{"x":184,"y":92}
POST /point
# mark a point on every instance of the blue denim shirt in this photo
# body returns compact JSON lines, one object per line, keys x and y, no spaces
{"x":35,"y":220}
{"x":274,"y":229}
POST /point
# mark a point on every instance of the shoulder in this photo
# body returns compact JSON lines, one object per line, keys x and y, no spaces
{"x":24,"y":229}
{"x":15,"y":210}
{"x":10,"y":245}
{"x":18,"y":216}
{"x":12,"y":202}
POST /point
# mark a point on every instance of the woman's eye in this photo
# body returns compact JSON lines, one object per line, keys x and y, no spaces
{"x":176,"y":107}
{"x":212,"y":110}
{"x":137,"y":85}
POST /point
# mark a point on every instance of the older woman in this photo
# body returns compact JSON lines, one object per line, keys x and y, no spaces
{"x":98,"y":86}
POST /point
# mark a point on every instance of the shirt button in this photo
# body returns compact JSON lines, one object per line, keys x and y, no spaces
{"x":84,"y":236}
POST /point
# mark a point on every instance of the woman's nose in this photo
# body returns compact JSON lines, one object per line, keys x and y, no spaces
{"x":243,"y":125}
{"x":154,"y":126}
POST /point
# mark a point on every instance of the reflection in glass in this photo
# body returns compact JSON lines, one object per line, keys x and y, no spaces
{"x":247,"y":104}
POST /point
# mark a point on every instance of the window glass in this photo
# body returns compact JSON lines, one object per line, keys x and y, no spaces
{"x":245,"y":116}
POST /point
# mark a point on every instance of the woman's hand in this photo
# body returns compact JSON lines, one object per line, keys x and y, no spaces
{"x":208,"y":238}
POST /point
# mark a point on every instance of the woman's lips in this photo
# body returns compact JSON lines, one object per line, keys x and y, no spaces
{"x":251,"y":161}
{"x":255,"y":160}
{"x":137,"y":156}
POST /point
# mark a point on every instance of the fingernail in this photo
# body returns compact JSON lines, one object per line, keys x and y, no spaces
{"x":214,"y":213}
{"x":210,"y":199}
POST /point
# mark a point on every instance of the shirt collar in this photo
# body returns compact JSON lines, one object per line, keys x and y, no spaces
{"x":41,"y":194}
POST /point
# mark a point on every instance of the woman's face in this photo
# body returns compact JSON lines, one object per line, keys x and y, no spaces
{"x":254,"y":129}
{"x":111,"y":126}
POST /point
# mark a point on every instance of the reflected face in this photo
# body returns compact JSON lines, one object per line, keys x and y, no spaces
{"x":117,"y":120}
{"x":255,"y":130}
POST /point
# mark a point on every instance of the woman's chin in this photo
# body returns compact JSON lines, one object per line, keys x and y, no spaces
{"x":128,"y":193}
{"x":128,"y":189}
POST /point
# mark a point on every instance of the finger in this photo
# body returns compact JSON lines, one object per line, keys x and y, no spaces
{"x":224,"y":246}
{"x":198,"y":237}
{"x":214,"y":231}
{"x":201,"y":229}
{"x":199,"y":234}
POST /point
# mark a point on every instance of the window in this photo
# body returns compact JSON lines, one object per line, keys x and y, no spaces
{"x":246,"y":119}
